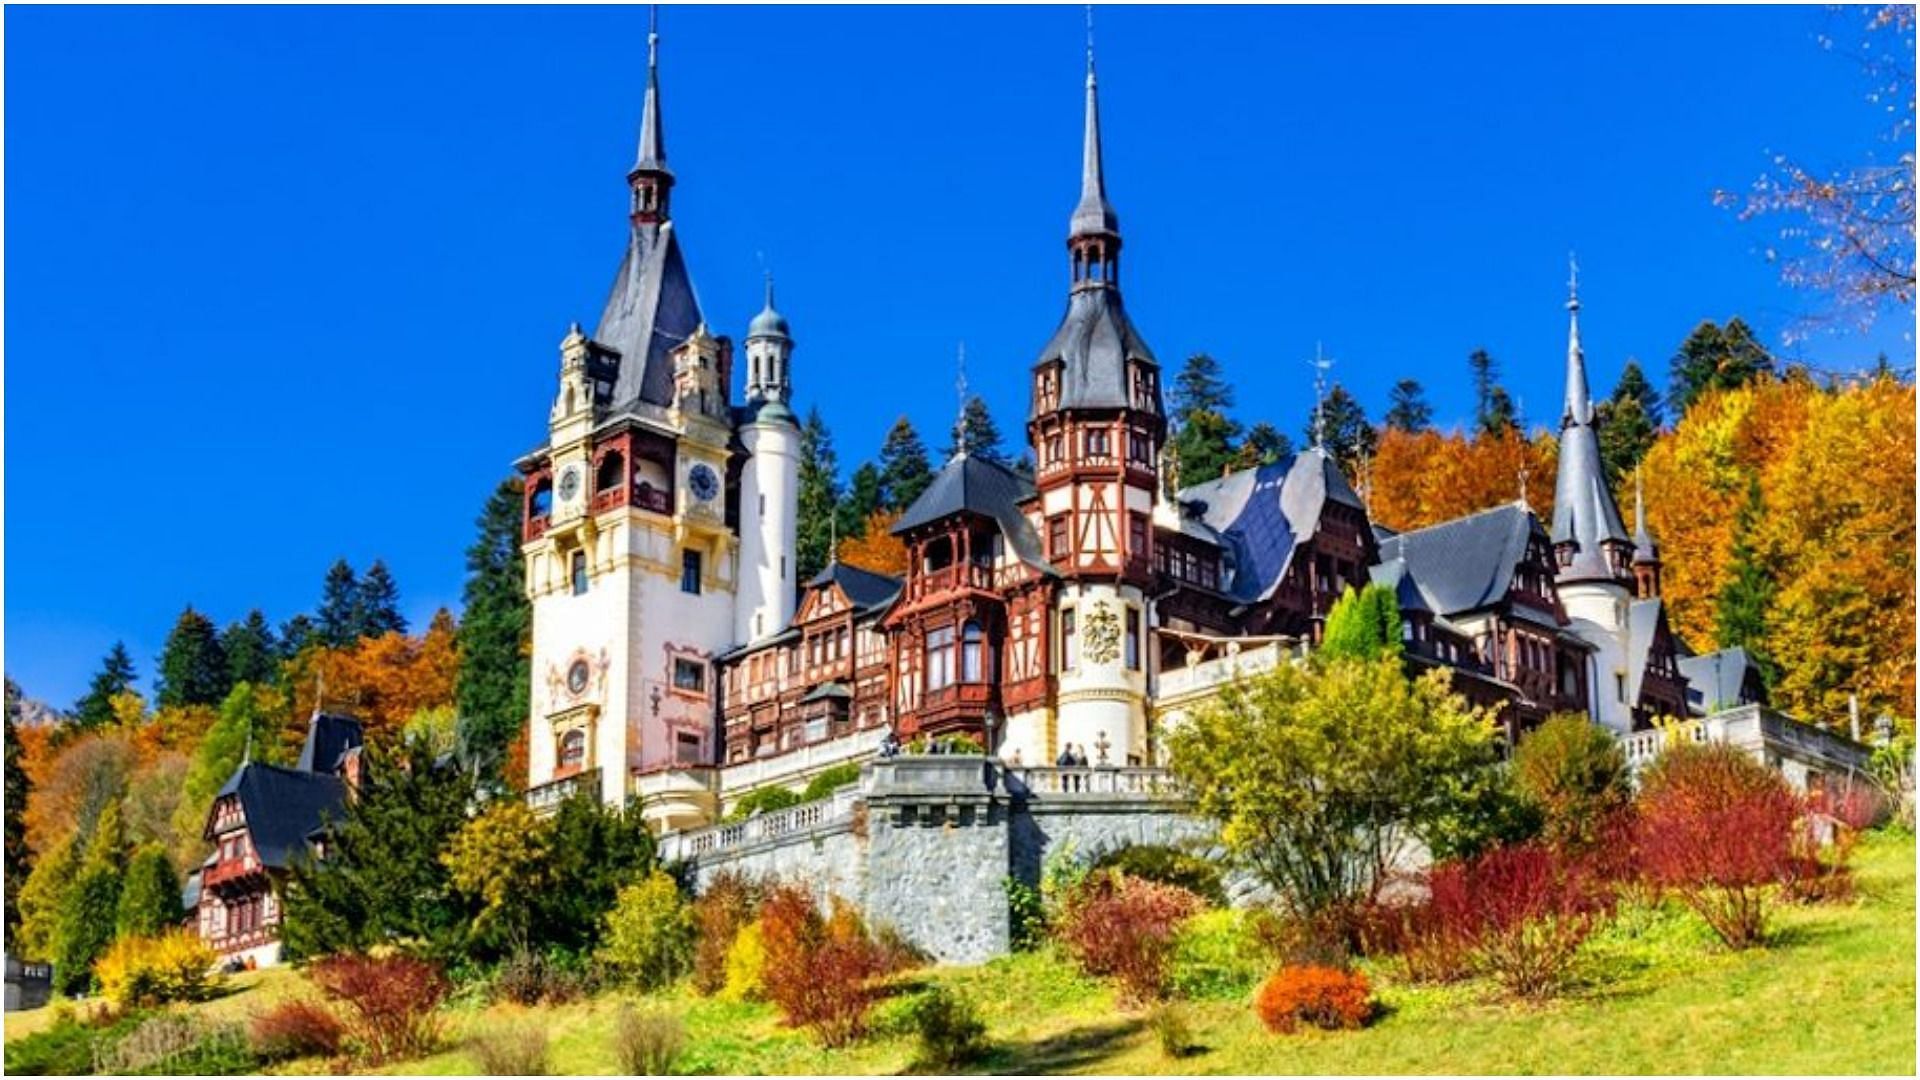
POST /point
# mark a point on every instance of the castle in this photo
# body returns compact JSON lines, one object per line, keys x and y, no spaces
{"x":678,"y":659}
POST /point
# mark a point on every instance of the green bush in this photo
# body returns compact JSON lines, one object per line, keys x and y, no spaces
{"x":949,"y":1030}
{"x":1172,"y":1029}
{"x":1026,"y":914}
{"x":65,"y":1048}
{"x":1168,"y":866}
{"x":1576,"y":774}
{"x":763,"y":801}
{"x":150,"y":896}
{"x":1218,"y":957}
{"x":176,"y":1044}
{"x":830,"y":781}
{"x":649,"y":936}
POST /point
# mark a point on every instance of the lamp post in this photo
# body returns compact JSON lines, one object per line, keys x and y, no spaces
{"x":992,"y":720}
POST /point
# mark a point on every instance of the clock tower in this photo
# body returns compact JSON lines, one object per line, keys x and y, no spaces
{"x":631,"y":544}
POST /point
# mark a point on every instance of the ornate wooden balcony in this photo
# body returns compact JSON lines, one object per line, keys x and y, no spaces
{"x":950,"y":579}
{"x":228,"y":871}
{"x":609,"y":499}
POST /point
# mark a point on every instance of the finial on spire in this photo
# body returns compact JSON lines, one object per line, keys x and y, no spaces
{"x":1320,"y":366}
{"x":960,"y":395}
{"x":1573,"y":282}
{"x":1089,"y":44}
{"x":653,"y":35}
{"x":1094,"y":223}
{"x":769,"y":290}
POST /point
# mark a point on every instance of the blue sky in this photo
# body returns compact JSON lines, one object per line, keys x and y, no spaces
{"x":286,"y":285}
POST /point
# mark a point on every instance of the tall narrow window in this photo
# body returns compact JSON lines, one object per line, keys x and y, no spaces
{"x":1057,"y":537}
{"x":578,"y":570}
{"x":939,"y":658}
{"x":1133,"y":639}
{"x":1069,"y":643}
{"x":1137,"y":535}
{"x":972,"y":654}
{"x":690,"y":572}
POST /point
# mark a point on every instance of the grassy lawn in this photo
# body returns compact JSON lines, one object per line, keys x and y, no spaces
{"x":1834,"y":994}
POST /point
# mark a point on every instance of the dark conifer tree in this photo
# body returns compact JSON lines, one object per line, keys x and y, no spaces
{"x":1502,"y":416}
{"x":819,"y":496}
{"x":904,"y":470}
{"x":1349,"y":436}
{"x":978,"y":432}
{"x":1409,"y":410}
{"x":378,"y":608}
{"x":150,"y":894}
{"x":193,"y":666}
{"x":382,"y":879}
{"x":1716,"y":358}
{"x":1746,"y":598}
{"x":296,"y":634}
{"x":1629,"y":422}
{"x":116,"y":675}
{"x":491,"y":688}
{"x":338,"y":624}
{"x":19,"y":787}
{"x":1205,"y":433}
{"x":92,"y":906}
{"x":1265,"y":445}
{"x":253,"y":654}
{"x":1486,"y":380}
{"x":864,"y":496}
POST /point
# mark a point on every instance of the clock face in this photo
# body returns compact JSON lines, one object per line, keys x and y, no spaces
{"x":704,"y":483}
{"x":577,"y":676}
{"x":569,"y":482}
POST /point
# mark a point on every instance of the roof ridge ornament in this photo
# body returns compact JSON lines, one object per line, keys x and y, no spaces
{"x":1320,"y":365}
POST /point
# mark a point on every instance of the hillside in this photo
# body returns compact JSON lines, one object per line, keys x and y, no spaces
{"x":1836,"y":994}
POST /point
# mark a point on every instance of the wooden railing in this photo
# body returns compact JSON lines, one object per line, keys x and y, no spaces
{"x":949,"y":578}
{"x":658,"y":500}
{"x":230,"y":869}
{"x":610,"y":498}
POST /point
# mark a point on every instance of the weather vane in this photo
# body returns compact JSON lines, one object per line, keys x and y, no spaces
{"x":1320,"y":366}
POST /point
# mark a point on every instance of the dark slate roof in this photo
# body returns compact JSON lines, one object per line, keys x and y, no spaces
{"x":1094,"y":341}
{"x":650,"y":311}
{"x":329,"y":737}
{"x":864,"y":588}
{"x":1467,"y":563}
{"x":1644,"y":619}
{"x":282,"y":806}
{"x":1584,"y":512}
{"x":975,"y":485}
{"x":1263,"y":514}
{"x":1717,"y":679}
{"x":1094,"y":215}
{"x":1393,"y":574}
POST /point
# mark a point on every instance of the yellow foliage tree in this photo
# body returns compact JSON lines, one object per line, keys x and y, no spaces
{"x":878,"y":550}
{"x":1416,"y":479}
{"x":381,"y":681}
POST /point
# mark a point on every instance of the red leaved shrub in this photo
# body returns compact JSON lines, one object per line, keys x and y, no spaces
{"x":1124,"y":927}
{"x":1321,"y":997}
{"x":391,"y":1003}
{"x":818,"y":971}
{"x":295,"y":1029}
{"x":1442,"y":932}
{"x":1519,"y":912}
{"x":1717,"y":827}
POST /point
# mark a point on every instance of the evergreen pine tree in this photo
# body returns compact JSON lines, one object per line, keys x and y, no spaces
{"x":819,"y":496}
{"x":115,"y":677}
{"x":1486,"y":379}
{"x":596,"y":849}
{"x":1348,"y":436}
{"x":193,"y":666}
{"x":253,"y":654}
{"x":377,"y":610}
{"x":150,"y":896}
{"x":1265,"y":445}
{"x":1205,"y":434}
{"x":1409,"y":410}
{"x":1716,"y":358}
{"x":19,"y":787}
{"x":491,"y":688}
{"x":977,"y":429}
{"x":904,"y":471}
{"x":864,"y":495}
{"x":1629,"y":422}
{"x":338,"y":624}
{"x":1740,"y":616}
{"x":42,"y":900}
{"x":296,"y":634}
{"x":1362,"y":625}
{"x":92,"y":906}
{"x":382,"y":879}
{"x":244,"y":728}
{"x":1501,"y":417}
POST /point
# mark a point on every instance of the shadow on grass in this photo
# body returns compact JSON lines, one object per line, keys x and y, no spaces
{"x":1068,"y":1051}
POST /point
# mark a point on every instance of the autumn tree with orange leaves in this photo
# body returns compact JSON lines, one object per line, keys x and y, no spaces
{"x":876,"y":549}
{"x":1416,"y":479}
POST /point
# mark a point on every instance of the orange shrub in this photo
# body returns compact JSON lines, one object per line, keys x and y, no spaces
{"x":391,"y":1002}
{"x":818,"y":971}
{"x":1124,"y":927}
{"x":295,"y":1029}
{"x":1322,"y":997}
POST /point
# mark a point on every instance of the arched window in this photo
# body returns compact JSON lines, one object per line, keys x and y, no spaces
{"x":972,"y":654}
{"x":613,"y":469}
{"x":573,"y":750}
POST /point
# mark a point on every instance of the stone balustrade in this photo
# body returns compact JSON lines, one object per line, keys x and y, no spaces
{"x":794,"y":820}
{"x":1070,"y":782}
{"x":1802,"y":751}
{"x":547,"y":797}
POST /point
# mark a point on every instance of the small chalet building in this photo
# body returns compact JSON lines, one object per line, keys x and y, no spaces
{"x":262,"y":818}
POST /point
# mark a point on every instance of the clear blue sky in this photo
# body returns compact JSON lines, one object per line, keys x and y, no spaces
{"x":286,"y":285}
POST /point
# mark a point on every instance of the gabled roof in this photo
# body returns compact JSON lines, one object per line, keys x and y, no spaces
{"x":1094,"y":341}
{"x":650,"y":311}
{"x":1720,"y":679}
{"x":865,"y":589}
{"x":1645,"y":618}
{"x":1467,"y":563}
{"x":969,"y":484}
{"x":329,"y":738}
{"x":1263,"y":514}
{"x":282,"y":806}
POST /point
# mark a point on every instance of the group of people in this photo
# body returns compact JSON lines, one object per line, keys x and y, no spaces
{"x":1072,"y":756}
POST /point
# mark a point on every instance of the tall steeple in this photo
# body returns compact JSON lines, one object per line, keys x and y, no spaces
{"x":650,"y":178}
{"x":1646,"y":553}
{"x":1589,"y":540}
{"x":1093,"y":237}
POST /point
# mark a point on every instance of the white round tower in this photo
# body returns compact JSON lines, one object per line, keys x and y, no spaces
{"x":769,"y":482}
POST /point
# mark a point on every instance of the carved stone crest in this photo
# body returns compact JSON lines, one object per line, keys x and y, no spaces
{"x":1103,"y":634}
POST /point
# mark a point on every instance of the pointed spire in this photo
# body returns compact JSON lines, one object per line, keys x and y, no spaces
{"x":960,"y":395}
{"x":652,"y":156}
{"x":1094,"y":216}
{"x":1579,"y":407}
{"x":1644,"y":549}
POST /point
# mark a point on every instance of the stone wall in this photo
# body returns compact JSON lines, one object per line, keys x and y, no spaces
{"x":926,"y":843}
